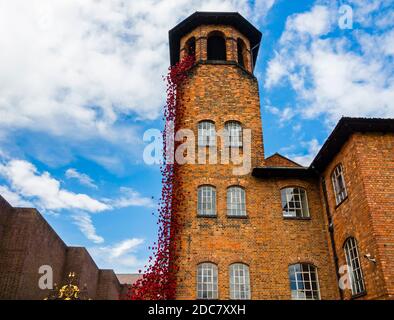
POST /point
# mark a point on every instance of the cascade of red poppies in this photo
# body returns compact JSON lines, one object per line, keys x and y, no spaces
{"x":158,"y":282}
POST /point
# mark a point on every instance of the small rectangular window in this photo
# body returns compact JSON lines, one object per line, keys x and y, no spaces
{"x":236,"y":204}
{"x":339,"y":186}
{"x":304,"y":282}
{"x":353,"y":262}
{"x":239,"y":282}
{"x":294,"y":203}
{"x":207,"y":281}
{"x":233,"y":136}
{"x":206,"y":201}
{"x":206,"y":134}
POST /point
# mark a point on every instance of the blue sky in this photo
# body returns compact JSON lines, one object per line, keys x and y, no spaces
{"x":80,"y":83}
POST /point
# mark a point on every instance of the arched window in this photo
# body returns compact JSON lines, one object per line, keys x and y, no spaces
{"x":207,"y":281}
{"x":236,"y":204}
{"x":216,"y":46}
{"x":304,"y":282}
{"x":241,"y":49}
{"x":233,"y":134}
{"x":190,"y":47}
{"x":206,"y":201}
{"x":239,"y":282}
{"x":354,"y":266}
{"x":294,"y":202}
{"x":338,"y":183}
{"x":206,"y":134}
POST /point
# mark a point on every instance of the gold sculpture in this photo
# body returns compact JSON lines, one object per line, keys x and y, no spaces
{"x":69,"y":291}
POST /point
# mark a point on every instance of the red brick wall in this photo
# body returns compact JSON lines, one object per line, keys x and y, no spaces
{"x":108,"y":287}
{"x":368,"y":164}
{"x":377,"y":168}
{"x":6,"y":210}
{"x":265,"y":241}
{"x":277,"y":160}
{"x":28,"y":242}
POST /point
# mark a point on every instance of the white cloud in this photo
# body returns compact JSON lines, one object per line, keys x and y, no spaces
{"x":13,"y":198}
{"x":120,"y":256}
{"x":74,"y":68}
{"x":81,"y":177}
{"x":276,"y":70}
{"x":284,"y":115}
{"x":373,"y":13}
{"x":131,"y":198}
{"x":84,"y":221}
{"x":25,"y":179}
{"x":314,"y":23}
{"x":29,"y":187}
{"x":261,"y":8}
{"x":46,"y":192}
{"x":312,"y":148}
{"x":331,"y":77}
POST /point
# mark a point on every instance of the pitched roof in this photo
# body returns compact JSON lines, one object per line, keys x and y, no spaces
{"x":279,"y":160}
{"x":199,"y":18}
{"x":343,"y":130}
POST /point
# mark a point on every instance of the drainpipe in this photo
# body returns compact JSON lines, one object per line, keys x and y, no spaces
{"x":331,"y":230}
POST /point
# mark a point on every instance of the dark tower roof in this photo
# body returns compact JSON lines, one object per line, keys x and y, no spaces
{"x":200,"y":18}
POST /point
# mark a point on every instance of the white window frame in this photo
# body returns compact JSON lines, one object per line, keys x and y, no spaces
{"x":206,"y":200}
{"x":236,"y":202}
{"x":207,"y":281}
{"x":206,"y":134}
{"x":340,"y":193}
{"x":305,"y":287}
{"x":233,"y":134}
{"x":294,"y":202}
{"x":239,"y":282}
{"x":353,"y":261}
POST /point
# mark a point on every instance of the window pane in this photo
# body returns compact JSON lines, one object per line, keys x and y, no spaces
{"x":339,"y":186}
{"x":236,"y":205}
{"x":233,"y":134}
{"x":354,"y":266}
{"x":206,"y":203}
{"x":302,"y":285}
{"x":294,"y":202}
{"x":207,"y":284}
{"x":206,"y":134}
{"x":239,"y":281}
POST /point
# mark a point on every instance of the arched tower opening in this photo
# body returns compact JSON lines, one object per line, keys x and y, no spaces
{"x":242,"y":53}
{"x":190,"y":47}
{"x":216,"y":44}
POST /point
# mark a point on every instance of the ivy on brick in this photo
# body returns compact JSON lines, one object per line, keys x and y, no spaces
{"x":158,"y":281}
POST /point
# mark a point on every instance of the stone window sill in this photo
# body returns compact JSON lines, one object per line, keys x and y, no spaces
{"x":297,"y":218}
{"x":207,"y":216}
{"x":238,"y":217}
{"x":358,"y":295}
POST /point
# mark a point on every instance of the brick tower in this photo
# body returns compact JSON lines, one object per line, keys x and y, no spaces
{"x":220,"y":94}
{"x":241,"y":235}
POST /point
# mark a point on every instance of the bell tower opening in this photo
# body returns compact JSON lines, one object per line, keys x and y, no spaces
{"x":241,"y":50}
{"x":191,"y":47}
{"x":216,"y":46}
